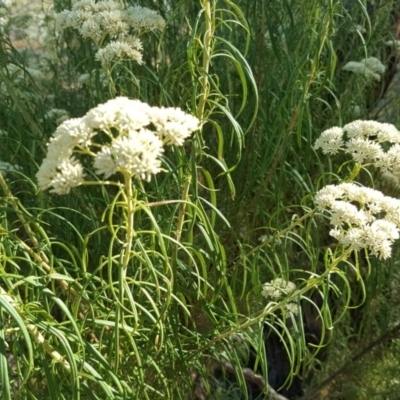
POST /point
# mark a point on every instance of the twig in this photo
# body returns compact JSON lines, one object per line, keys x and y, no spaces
{"x":34,"y":330}
{"x":252,"y":377}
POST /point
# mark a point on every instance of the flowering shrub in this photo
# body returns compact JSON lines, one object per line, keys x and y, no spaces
{"x":359,"y":227}
{"x":365,"y":141}
{"x":374,"y":222}
{"x":106,"y":20}
{"x":174,"y":232}
{"x":136,"y":134}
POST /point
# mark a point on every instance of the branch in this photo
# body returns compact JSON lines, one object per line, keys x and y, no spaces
{"x":250,"y":376}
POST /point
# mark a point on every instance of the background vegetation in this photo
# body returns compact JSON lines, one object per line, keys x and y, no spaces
{"x":228,"y":214}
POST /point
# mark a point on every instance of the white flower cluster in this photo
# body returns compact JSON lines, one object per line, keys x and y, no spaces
{"x":109,"y":19}
{"x":364,"y":140}
{"x":136,"y":132}
{"x":362,"y":218}
{"x":277,"y":290}
{"x":138,"y":153}
{"x":129,"y":49}
{"x":370,"y":67}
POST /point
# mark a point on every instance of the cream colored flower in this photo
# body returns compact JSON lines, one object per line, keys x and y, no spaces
{"x":60,"y":176}
{"x":370,"y":67}
{"x":363,"y":218}
{"x":138,"y":153}
{"x":109,"y":19}
{"x":173,"y":125}
{"x":119,"y":50}
{"x":133,"y":136}
{"x":120,"y":113}
{"x":330,"y":141}
{"x":143,"y":19}
{"x":366,"y":141}
{"x":381,"y":132}
{"x":277,"y":290}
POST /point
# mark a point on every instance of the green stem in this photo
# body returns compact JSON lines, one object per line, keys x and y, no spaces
{"x":255,"y":318}
{"x":207,"y":50}
{"x":122,"y":286}
{"x":182,"y":208}
{"x":266,"y":242}
{"x":130,"y":210}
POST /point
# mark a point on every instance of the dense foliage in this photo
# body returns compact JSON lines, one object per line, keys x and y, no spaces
{"x":181,"y":184}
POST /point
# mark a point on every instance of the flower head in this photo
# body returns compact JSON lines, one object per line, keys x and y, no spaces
{"x":370,"y":67}
{"x":363,"y":218}
{"x":142,"y":19}
{"x":366,"y":141}
{"x":109,"y":19}
{"x":133,"y":136}
{"x":330,"y":141}
{"x":120,"y":50}
{"x":138,"y":153}
{"x":277,"y":290}
{"x":173,"y":125}
{"x":120,"y":113}
{"x":381,"y":132}
{"x":60,"y":175}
